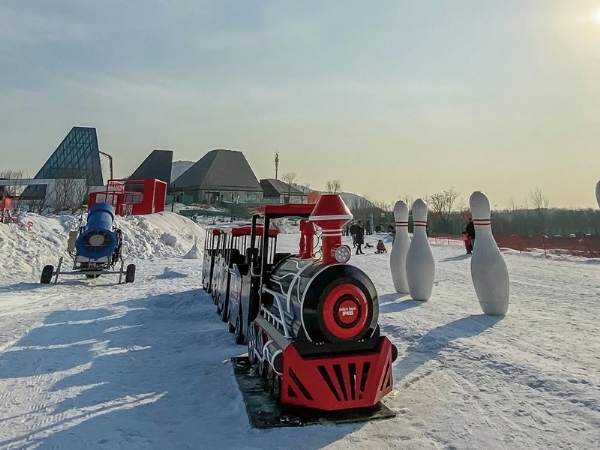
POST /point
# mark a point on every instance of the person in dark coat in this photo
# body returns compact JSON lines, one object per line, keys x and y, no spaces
{"x":470,"y":230}
{"x":353,"y":234}
{"x":359,"y":238}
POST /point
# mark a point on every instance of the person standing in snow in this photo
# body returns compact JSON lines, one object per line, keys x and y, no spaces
{"x":359,"y":238}
{"x":470,"y":230}
{"x":353,"y":234}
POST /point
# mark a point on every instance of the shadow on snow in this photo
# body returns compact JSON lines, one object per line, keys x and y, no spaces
{"x":429,"y":346}
{"x":152,"y":372}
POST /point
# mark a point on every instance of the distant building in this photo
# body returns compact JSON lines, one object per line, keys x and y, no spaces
{"x":220,"y":176}
{"x":276,"y":191}
{"x":157,"y":165}
{"x":77,"y":157}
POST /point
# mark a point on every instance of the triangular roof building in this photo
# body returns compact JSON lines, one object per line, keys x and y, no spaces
{"x":220,"y":175}
{"x":77,"y":157}
{"x":157,"y":165}
{"x":280,"y":191}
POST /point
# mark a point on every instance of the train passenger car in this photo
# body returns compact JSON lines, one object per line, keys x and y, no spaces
{"x":211,"y":242}
{"x":221,"y":247}
{"x":238,"y":239}
{"x":311,"y":324}
{"x":245,"y":277}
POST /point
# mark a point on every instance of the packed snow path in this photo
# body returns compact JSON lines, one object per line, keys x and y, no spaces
{"x":89,"y":364}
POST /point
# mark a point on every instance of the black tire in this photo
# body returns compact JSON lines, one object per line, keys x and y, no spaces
{"x":263,"y":371}
{"x":130,"y":274}
{"x":269,"y":377}
{"x":276,"y":390}
{"x":224,"y":315}
{"x":219,"y":311}
{"x":237,"y":333}
{"x":231,"y":328}
{"x":46,"y":277}
{"x":251,"y":345}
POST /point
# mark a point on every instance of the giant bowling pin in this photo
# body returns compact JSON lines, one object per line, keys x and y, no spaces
{"x":598,"y":193}
{"x":488,"y":269}
{"x":420,"y":265}
{"x":400,"y":248}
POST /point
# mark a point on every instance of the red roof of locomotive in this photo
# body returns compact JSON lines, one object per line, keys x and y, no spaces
{"x":246,"y":230}
{"x":285,"y":210}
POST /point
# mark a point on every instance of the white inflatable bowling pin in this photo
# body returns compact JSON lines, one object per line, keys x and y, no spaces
{"x":420,"y":265}
{"x":598,"y":193}
{"x":400,"y":248}
{"x":488,"y":269}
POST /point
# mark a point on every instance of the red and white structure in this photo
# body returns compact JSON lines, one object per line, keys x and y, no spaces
{"x":132,"y":197}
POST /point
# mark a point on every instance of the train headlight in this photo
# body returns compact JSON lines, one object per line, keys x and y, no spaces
{"x":342,"y":254}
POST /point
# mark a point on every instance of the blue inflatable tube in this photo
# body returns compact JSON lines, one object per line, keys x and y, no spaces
{"x":97,"y":240}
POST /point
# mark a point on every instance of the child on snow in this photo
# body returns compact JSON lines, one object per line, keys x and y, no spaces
{"x":467,"y":241}
{"x":381,"y":247}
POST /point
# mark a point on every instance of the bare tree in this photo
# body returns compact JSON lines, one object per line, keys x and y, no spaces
{"x":442,"y":202}
{"x":289,"y":178}
{"x":71,"y":194}
{"x":440,"y":205}
{"x":407,"y":199}
{"x":333,"y":186}
{"x":538,"y":199}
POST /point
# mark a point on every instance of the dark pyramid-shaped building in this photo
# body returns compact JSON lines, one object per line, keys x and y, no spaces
{"x":156,"y":165}
{"x":77,"y":156}
{"x":220,"y":175}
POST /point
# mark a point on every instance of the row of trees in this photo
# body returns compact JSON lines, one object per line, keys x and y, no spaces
{"x":534,"y":217}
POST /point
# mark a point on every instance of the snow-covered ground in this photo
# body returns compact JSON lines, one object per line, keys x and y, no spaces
{"x":92,"y":364}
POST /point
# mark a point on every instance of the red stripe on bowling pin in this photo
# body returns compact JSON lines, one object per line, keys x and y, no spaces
{"x":420,"y":223}
{"x":401,"y":224}
{"x":482,"y":222}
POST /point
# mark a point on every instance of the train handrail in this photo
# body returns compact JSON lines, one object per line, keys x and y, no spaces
{"x":281,"y":319}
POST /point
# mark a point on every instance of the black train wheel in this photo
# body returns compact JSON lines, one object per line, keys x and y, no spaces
{"x":224,"y":315}
{"x":252,"y":345}
{"x":276,"y":387}
{"x":237,"y":334}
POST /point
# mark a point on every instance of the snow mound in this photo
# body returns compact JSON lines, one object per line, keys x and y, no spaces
{"x":194,"y":253}
{"x":170,"y":273}
{"x":162,"y":235}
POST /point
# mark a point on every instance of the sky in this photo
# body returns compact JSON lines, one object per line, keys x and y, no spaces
{"x":394,"y":98}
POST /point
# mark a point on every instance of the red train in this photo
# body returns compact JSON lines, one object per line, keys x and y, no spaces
{"x":310,"y":323}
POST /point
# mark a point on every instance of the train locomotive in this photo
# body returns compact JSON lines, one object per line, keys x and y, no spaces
{"x":95,"y":248}
{"x":311,"y":324}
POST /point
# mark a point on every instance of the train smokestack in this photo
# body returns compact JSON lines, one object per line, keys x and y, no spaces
{"x":331,"y":214}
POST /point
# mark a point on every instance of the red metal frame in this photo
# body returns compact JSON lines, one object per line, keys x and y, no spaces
{"x":132,"y":197}
{"x":288,"y":209}
{"x":332,"y":383}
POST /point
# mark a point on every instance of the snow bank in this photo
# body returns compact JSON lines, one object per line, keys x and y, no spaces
{"x":24,"y":253}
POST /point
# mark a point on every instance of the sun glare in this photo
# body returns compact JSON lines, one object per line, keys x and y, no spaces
{"x":597,"y":16}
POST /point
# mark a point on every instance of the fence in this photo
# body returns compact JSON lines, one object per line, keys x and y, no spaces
{"x":583,"y":245}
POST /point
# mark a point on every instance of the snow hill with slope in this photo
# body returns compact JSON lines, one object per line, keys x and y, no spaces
{"x":92,"y":364}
